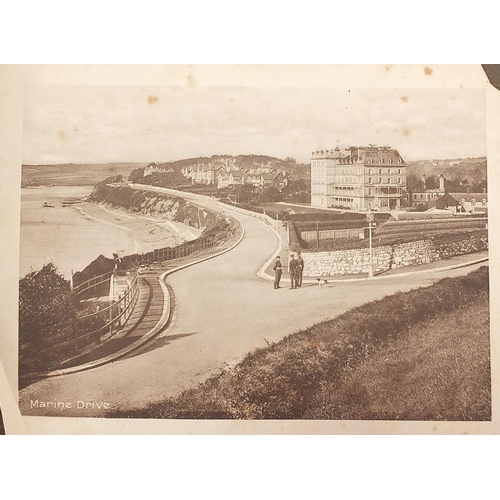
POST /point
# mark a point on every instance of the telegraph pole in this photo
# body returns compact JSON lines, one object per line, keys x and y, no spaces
{"x":370,"y":217}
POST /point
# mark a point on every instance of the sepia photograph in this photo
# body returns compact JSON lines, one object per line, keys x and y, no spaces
{"x":222,"y":252}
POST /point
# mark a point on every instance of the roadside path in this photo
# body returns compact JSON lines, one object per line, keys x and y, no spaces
{"x":222,"y":310}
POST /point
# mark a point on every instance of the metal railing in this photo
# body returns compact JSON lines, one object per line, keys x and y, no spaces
{"x":82,"y":331}
{"x":201,"y":245}
{"x":103,"y":322}
{"x":327,"y":234}
{"x":93,"y":286}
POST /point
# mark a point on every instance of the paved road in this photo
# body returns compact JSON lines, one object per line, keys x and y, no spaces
{"x":222,"y":310}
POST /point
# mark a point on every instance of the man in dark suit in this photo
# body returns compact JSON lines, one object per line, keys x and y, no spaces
{"x":277,"y":272}
{"x":293,"y":272}
{"x":300,"y":268}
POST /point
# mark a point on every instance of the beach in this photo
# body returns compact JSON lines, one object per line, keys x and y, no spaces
{"x":71,"y":232}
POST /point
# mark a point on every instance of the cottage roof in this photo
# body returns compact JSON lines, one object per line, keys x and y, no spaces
{"x":470,"y":196}
{"x":270,"y":176}
{"x":377,"y":155}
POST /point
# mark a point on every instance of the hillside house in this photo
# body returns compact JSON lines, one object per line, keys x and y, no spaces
{"x":461,"y":202}
{"x":427,"y":197}
{"x":277,"y":180}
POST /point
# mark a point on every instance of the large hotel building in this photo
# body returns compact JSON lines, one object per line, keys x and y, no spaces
{"x":358,"y":178}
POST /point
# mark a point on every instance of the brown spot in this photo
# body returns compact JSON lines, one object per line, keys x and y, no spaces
{"x":191,"y":81}
{"x":406,"y":132}
{"x":405,"y":98}
{"x":112,"y":170}
{"x":388,"y":67}
{"x":152,"y":99}
{"x":428,"y":71}
{"x":231,"y":99}
{"x":62,"y":135}
{"x":313,"y":343}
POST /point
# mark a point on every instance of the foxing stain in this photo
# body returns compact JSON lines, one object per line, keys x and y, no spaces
{"x":191,"y":81}
{"x":152,"y":99}
{"x":428,"y":71}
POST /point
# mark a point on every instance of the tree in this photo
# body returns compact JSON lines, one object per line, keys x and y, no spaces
{"x":45,"y":300}
{"x":271,"y":194}
{"x":136,"y":175}
{"x":413,"y":182}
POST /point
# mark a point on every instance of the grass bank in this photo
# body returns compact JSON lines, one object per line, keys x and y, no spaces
{"x":420,"y":355}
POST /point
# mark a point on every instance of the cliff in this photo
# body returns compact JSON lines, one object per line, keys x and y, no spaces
{"x":159,"y":206}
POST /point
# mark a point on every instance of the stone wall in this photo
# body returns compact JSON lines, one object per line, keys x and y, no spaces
{"x":357,"y":261}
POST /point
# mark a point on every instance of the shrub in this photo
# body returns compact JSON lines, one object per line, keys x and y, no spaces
{"x":46,"y":309}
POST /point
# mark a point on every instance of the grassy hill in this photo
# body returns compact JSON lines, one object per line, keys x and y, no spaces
{"x":472,"y":169}
{"x":72,"y":174}
{"x":419,"y":355}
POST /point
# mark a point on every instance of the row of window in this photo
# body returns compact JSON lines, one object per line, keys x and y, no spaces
{"x":348,"y":171}
{"x":382,"y":160}
{"x":381,"y":171}
{"x":389,"y":180}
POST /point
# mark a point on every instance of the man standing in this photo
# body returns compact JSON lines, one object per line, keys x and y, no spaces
{"x":300,"y":268}
{"x":293,"y":272}
{"x":277,"y":273}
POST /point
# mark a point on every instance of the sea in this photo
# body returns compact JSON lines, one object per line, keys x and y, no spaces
{"x":63,"y":234}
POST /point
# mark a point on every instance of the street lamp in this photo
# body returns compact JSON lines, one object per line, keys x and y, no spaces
{"x":370,"y":217}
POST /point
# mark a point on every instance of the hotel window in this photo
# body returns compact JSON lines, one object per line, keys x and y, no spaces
{"x":379,"y":170}
{"x":399,"y":180}
{"x":369,"y":180}
{"x":388,"y":180}
{"x":484,"y":202}
{"x":369,"y":171}
{"x":399,"y":171}
{"x":380,"y":180}
{"x":389,"y":171}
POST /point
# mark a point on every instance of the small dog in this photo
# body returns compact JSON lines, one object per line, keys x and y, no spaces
{"x":321,"y":282}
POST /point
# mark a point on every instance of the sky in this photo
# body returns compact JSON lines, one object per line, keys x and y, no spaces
{"x":101,"y":124}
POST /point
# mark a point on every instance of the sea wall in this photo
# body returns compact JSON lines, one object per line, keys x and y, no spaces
{"x":414,"y":253}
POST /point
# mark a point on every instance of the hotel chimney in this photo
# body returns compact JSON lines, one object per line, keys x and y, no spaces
{"x":441,"y":182}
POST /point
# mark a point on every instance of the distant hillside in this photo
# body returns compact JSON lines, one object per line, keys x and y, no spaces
{"x":472,"y":169}
{"x":72,"y":174}
{"x":294,"y":170}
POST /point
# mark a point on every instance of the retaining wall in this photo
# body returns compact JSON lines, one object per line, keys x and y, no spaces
{"x":357,"y":261}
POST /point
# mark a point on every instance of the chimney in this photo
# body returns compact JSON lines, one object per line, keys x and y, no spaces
{"x":441,"y":182}
{"x":424,"y":183}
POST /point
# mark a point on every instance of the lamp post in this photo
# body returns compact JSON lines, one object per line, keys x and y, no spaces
{"x":370,"y":217}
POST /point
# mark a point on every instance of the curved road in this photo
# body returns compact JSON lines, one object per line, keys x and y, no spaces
{"x":222,"y":311}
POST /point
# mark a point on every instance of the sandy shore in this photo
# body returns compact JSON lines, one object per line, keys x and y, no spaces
{"x":72,"y":234}
{"x":148,"y":233}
